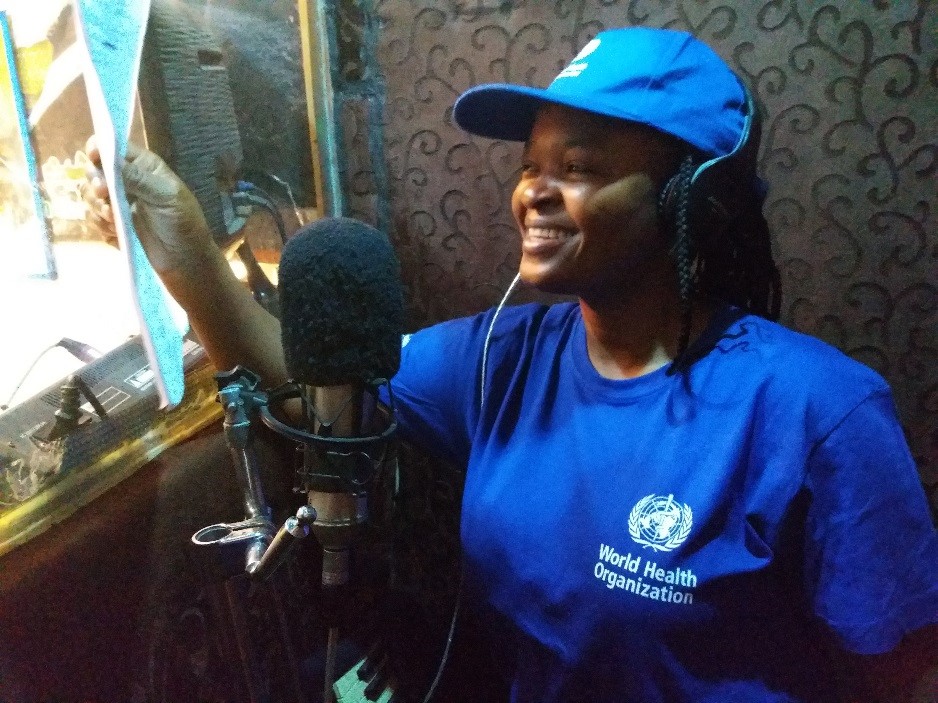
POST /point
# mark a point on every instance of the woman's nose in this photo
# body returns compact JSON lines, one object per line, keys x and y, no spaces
{"x":539,"y":191}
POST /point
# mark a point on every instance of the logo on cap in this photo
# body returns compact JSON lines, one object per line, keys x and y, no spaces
{"x":578,"y":65}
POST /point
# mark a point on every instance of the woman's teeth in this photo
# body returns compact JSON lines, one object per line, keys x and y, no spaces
{"x":549,"y":233}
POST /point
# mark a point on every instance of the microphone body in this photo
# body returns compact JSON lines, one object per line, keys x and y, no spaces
{"x":341,"y":510}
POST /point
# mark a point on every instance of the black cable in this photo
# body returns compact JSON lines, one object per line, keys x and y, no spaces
{"x":80,"y":350}
{"x":266,"y":200}
{"x":282,"y":184}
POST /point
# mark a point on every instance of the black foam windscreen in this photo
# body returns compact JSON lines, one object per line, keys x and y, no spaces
{"x":341,"y":303}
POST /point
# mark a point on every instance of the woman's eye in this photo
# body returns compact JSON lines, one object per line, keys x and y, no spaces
{"x":576,"y":167}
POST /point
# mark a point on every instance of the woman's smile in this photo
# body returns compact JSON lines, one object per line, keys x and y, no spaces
{"x":546,"y":241}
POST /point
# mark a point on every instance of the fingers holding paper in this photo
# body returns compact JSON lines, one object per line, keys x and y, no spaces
{"x":167,"y":217}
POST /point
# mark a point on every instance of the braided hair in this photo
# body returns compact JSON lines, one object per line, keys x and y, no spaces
{"x":719,"y":252}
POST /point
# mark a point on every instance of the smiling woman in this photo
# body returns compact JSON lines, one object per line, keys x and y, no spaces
{"x":754,"y":477}
{"x":667,"y":495}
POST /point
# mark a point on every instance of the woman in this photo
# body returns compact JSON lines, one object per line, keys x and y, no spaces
{"x":668,"y":496}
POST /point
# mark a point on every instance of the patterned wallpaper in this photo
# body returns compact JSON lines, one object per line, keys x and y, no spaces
{"x":848,"y":91}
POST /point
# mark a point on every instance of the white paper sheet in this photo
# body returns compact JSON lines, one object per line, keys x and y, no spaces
{"x":114,"y":31}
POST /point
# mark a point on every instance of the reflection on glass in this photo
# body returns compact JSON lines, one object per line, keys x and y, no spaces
{"x":56,"y":324}
{"x":24,"y":235}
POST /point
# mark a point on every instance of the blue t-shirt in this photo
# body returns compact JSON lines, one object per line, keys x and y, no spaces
{"x":673,"y":537}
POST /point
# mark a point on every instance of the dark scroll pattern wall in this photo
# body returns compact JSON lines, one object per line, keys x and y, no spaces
{"x":848,"y":91}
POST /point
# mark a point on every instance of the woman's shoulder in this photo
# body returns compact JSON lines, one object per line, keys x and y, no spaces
{"x":788,"y":367}
{"x":791,"y":354}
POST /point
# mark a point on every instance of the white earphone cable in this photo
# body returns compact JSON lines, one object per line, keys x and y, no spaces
{"x":488,"y":338}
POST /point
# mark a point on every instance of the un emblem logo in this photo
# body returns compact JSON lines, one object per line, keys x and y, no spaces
{"x":660,"y":522}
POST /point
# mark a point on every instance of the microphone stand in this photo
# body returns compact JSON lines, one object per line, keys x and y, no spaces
{"x":226,"y":552}
{"x":339,"y":465}
{"x":336,"y":474}
{"x":342,"y":511}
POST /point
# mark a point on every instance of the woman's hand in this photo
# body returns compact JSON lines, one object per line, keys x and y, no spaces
{"x":231,"y":326}
{"x":167,"y":216}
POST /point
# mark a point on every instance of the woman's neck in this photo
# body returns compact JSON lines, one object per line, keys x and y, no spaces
{"x":636,"y":334}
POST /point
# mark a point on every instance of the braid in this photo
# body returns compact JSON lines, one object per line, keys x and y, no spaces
{"x":735,"y":262}
{"x":684,"y":250}
{"x":723,"y":254}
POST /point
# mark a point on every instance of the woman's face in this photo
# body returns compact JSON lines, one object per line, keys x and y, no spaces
{"x":575,"y":239}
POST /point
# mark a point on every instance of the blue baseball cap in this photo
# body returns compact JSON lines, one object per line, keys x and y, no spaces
{"x":662,"y":78}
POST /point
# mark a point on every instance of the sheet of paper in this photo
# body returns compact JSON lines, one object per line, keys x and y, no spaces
{"x":114,"y":33}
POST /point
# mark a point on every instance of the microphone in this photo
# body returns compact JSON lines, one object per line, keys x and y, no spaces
{"x":342,"y":318}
